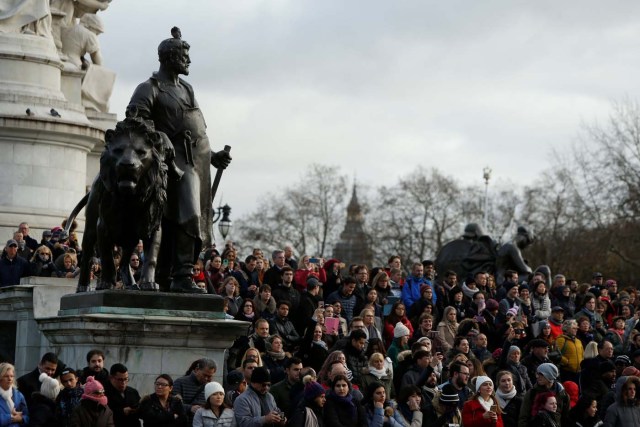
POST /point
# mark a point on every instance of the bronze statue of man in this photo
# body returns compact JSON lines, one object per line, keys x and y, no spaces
{"x":169,"y":101}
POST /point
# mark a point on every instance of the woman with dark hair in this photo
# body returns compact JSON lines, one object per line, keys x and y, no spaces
{"x":214,"y":413}
{"x":313,"y":348}
{"x":247,"y":311}
{"x":508,"y":399}
{"x":265,"y":304}
{"x":408,"y":411}
{"x":160,"y":408}
{"x":584,"y":413}
{"x":382,"y":286}
{"x":214,"y":275}
{"x":380,"y":412}
{"x":398,"y":314}
{"x":275,"y":358}
{"x":341,"y":410}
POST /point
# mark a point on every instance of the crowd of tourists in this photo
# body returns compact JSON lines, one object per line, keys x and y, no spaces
{"x":336,"y":345}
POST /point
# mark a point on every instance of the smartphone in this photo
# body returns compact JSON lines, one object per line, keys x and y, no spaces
{"x":314,"y":260}
{"x":320,"y":304}
{"x":225,"y":262}
{"x":494,"y":408}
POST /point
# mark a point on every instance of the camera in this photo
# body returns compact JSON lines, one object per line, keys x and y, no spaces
{"x":518,"y":331}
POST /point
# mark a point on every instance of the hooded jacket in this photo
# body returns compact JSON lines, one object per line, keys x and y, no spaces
{"x":620,"y":413}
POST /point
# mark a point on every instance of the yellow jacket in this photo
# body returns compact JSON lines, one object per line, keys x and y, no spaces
{"x":572,"y":352}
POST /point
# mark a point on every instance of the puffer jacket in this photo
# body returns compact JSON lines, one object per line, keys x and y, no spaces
{"x":620,"y":413}
{"x":206,"y":418}
{"x":572,"y":352}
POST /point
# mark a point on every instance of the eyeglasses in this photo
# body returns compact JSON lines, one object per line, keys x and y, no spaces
{"x":134,"y":260}
{"x":98,"y":392}
{"x":161,"y":384}
{"x":122,"y":380}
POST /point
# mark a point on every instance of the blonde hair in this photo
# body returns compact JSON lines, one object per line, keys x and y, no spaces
{"x":375,"y":357}
{"x":6,"y":367}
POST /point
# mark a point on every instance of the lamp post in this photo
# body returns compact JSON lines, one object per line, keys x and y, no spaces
{"x":224,"y":223}
{"x":486,"y":175}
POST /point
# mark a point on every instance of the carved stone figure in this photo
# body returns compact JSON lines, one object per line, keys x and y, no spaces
{"x":26,"y":16}
{"x":170,"y":102}
{"x":476,"y":251}
{"x":82,"y":38}
{"x":126,"y":202}
{"x":510,"y":255}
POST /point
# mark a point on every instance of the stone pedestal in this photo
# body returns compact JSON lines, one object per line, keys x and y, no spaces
{"x":150,"y":333}
{"x":43,"y":162}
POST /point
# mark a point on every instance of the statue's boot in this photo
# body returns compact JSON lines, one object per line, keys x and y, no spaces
{"x":185,"y":285}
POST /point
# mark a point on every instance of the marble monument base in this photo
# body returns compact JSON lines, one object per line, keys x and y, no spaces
{"x":150,"y":333}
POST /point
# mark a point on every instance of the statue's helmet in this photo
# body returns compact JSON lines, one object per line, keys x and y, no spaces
{"x":473,"y":231}
{"x":175,"y":44}
{"x":92,"y":22}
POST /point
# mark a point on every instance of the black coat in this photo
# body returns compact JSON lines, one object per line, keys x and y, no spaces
{"x":117,"y":403}
{"x":154,"y":414}
{"x":42,"y":412}
{"x":29,"y":384}
{"x":338,"y":414}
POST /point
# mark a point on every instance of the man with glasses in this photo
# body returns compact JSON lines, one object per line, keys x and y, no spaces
{"x":123,"y":400}
{"x":459,"y":378}
{"x":191,"y":387}
{"x":256,"y":406}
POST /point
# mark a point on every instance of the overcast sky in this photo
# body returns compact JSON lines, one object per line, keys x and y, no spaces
{"x":379,"y":87}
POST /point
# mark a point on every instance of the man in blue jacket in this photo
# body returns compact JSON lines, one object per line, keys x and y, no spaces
{"x":411,"y":288}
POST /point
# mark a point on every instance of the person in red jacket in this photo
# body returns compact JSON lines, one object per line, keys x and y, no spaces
{"x":482,"y":410}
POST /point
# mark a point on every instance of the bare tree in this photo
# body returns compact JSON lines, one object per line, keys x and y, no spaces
{"x":306,"y":217}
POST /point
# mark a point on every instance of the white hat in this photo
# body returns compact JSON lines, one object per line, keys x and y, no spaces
{"x":400,"y":330}
{"x":481,"y":380}
{"x":212,"y":387}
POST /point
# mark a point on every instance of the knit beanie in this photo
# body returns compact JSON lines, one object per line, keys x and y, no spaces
{"x":513,"y":311}
{"x":481,"y":380}
{"x":400,"y":330}
{"x":91,"y":386}
{"x":50,"y":386}
{"x":549,"y":371}
{"x":260,"y":375}
{"x":312,"y":390}
{"x":512,"y":349}
{"x":212,"y":387}
{"x":631,"y":370}
{"x":492,"y":304}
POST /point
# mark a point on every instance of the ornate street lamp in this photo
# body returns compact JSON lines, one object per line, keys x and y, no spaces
{"x":486,"y":175}
{"x":224,"y":224}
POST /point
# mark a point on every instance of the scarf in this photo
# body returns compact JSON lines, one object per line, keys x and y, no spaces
{"x":468,"y":292}
{"x":321,"y":344}
{"x":276,"y":355}
{"x":7,"y":395}
{"x":504,"y":398}
{"x":378,"y":373}
{"x":101,"y":400}
{"x":485,"y":404}
{"x":346,"y":401}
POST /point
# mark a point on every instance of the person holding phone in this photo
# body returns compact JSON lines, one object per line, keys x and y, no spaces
{"x":482,"y":410}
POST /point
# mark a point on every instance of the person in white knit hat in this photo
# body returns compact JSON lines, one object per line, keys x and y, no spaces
{"x":400,"y":343}
{"x":482,"y":409}
{"x":214,"y":412}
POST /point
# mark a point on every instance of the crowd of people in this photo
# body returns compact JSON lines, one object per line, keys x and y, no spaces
{"x":330,"y":344}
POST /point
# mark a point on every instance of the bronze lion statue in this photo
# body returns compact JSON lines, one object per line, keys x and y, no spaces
{"x":126,"y":203}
